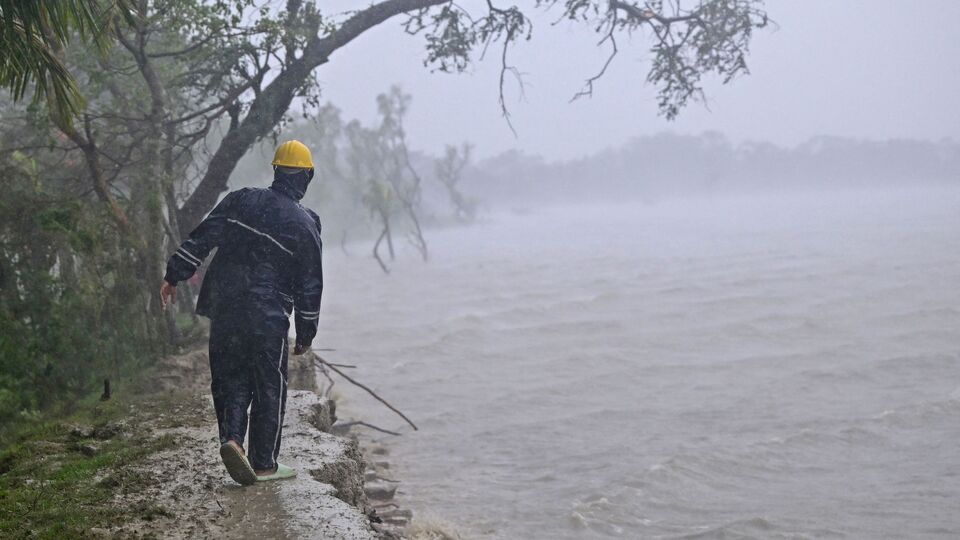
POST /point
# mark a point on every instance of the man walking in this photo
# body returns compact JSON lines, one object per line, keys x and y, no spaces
{"x":268,"y":264}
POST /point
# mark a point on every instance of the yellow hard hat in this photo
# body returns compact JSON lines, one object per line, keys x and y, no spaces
{"x":293,"y":154}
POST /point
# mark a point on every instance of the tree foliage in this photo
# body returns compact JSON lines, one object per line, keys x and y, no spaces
{"x":68,"y":295}
{"x":32,"y":38}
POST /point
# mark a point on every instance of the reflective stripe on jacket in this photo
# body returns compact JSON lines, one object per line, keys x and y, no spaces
{"x":267,"y":265}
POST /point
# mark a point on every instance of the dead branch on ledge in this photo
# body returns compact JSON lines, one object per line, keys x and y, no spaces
{"x":352,"y":423}
{"x":324,"y":364}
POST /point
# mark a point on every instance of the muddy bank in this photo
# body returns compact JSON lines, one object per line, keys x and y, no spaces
{"x":338,"y":492}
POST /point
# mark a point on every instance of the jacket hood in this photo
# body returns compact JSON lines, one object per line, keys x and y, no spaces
{"x":292,"y":185}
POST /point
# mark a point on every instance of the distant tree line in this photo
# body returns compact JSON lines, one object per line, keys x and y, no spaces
{"x":664,"y":165}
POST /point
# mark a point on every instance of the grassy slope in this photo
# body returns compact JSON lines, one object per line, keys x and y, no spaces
{"x":60,"y":477}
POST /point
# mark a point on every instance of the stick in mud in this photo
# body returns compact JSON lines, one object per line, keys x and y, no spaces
{"x":369,"y":391}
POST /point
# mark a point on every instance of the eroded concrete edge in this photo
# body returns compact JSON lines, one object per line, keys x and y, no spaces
{"x":196,"y":498}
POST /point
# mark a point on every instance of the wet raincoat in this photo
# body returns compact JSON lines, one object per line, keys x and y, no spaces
{"x":267,"y":266}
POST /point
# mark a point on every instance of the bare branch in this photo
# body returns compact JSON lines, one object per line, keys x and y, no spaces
{"x":88,"y":146}
{"x":369,"y":391}
{"x":348,"y":425}
{"x":587,"y":90}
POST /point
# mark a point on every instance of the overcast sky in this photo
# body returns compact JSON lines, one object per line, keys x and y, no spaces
{"x":870,"y":68}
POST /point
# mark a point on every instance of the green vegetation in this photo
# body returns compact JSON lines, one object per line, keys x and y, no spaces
{"x":60,"y":477}
{"x":32,"y":37}
{"x":66,"y":319}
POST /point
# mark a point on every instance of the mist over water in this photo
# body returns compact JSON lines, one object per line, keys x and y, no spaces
{"x":777,"y":366}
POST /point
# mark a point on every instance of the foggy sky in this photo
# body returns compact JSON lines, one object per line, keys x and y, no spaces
{"x":871,"y":69}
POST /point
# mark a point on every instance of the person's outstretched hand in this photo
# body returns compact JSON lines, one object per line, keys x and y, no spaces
{"x":167,"y":292}
{"x":299,"y":349}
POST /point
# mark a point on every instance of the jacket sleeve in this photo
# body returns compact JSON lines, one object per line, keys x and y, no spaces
{"x":309,"y":287}
{"x":208,"y":235}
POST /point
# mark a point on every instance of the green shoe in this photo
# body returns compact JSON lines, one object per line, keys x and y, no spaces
{"x":282,"y":472}
{"x":237,"y":465}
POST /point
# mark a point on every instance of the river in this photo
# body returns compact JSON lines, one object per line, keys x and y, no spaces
{"x":741,"y":367}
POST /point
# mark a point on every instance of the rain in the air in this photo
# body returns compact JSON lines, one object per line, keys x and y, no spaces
{"x":485,"y":269}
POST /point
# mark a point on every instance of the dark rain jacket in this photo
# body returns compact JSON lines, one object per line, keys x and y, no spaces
{"x":267,"y":264}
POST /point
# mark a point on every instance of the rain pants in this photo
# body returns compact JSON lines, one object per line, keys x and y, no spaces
{"x":267,"y":266}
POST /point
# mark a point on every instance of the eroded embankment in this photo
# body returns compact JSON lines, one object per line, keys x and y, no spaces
{"x":327,"y":499}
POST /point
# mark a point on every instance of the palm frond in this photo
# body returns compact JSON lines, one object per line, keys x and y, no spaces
{"x":32,"y":39}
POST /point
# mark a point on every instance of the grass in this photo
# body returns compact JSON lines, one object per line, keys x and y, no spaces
{"x":60,"y":477}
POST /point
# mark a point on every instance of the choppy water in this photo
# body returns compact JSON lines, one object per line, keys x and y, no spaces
{"x":768,"y":368}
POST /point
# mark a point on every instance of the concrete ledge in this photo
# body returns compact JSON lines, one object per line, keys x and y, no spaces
{"x":327,"y":496}
{"x":198,"y":498}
